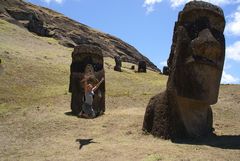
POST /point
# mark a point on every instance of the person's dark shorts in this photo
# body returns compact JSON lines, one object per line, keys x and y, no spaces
{"x":87,"y":109}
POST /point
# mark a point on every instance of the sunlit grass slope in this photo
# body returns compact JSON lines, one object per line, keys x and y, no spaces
{"x":36,"y":68}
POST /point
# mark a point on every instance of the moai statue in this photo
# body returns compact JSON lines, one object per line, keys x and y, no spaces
{"x":195,"y":64}
{"x":87,"y":61}
{"x":165,"y":70}
{"x":142,"y":67}
{"x":133,"y":67}
{"x":118,"y":62}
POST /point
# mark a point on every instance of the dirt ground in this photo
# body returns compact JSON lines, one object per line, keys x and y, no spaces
{"x":35,"y":123}
{"x":48,"y":132}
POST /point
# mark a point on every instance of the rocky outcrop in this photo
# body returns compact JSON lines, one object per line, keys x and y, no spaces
{"x":70,"y":33}
{"x":195,"y":65}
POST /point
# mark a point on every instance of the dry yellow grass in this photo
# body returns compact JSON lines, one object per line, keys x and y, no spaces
{"x":34,"y":102}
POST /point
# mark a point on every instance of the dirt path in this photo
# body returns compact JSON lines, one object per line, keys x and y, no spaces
{"x":47,"y":132}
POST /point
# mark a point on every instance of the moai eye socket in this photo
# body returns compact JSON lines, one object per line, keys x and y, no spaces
{"x":218,"y":36}
{"x":195,"y":27}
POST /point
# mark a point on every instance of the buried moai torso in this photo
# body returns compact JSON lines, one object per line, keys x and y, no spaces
{"x":142,"y":67}
{"x":118,"y":63}
{"x":87,"y":61}
{"x":195,"y":66}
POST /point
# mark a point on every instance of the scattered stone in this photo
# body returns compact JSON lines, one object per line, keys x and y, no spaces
{"x":196,"y":63}
{"x":6,"y":52}
{"x":129,"y":133}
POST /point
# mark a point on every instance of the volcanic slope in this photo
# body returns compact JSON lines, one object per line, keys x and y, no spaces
{"x":48,"y":23}
{"x":35,"y":123}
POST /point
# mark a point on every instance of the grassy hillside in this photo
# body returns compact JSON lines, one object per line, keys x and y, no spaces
{"x":34,"y":67}
{"x":38,"y":67}
{"x":67,"y":31}
{"x":34,"y":106}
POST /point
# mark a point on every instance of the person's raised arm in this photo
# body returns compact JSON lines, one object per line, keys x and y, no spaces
{"x":99,"y":83}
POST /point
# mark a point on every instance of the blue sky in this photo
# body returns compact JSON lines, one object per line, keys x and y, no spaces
{"x":148,"y":25}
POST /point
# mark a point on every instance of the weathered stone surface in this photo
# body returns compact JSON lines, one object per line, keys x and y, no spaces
{"x":165,"y":70}
{"x":118,"y":63}
{"x":70,"y":33}
{"x":142,"y":67}
{"x":195,"y":65}
{"x":87,"y":60}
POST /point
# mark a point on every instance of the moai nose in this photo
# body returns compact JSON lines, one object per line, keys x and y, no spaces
{"x":205,"y":45}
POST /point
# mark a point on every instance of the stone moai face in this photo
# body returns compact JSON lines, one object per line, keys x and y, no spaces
{"x":142,"y":67}
{"x":87,"y":60}
{"x":198,"y":52}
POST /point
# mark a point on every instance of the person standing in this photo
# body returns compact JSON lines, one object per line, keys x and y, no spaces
{"x":89,"y":89}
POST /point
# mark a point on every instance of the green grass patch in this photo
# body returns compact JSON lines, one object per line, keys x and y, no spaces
{"x":37,"y":68}
{"x":153,"y":157}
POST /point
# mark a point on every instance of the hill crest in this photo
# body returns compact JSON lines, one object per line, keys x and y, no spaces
{"x":48,"y":23}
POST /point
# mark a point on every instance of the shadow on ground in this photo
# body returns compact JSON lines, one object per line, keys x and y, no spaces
{"x":84,"y":142}
{"x":223,"y":141}
{"x":70,"y":113}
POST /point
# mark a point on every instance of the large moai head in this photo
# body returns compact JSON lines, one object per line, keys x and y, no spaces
{"x":87,"y":60}
{"x":195,"y":68}
{"x":198,"y":52}
{"x":118,"y":62}
{"x":142,"y":66}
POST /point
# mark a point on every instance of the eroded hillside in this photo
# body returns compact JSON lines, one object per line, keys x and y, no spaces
{"x":48,"y":23}
{"x":35,"y":123}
